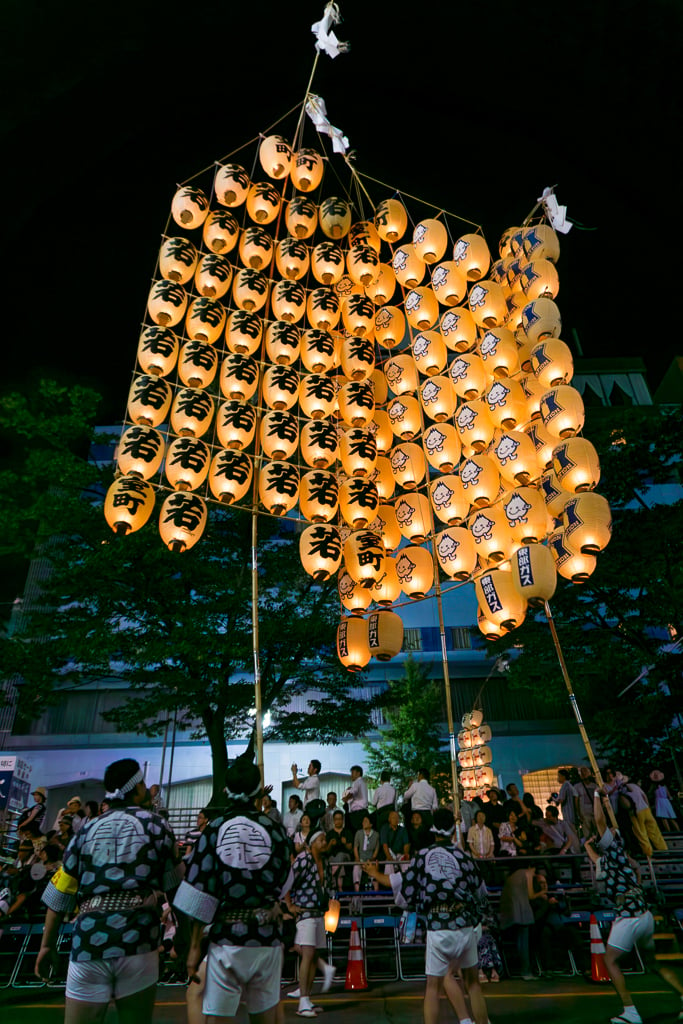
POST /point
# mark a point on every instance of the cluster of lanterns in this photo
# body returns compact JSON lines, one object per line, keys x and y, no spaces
{"x":386,"y":381}
{"x":474,"y":754}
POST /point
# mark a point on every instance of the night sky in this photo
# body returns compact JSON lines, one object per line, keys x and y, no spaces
{"x":474,"y":107}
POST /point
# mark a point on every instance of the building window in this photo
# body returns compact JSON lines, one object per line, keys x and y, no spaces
{"x":461,"y":638}
{"x":412,"y":639}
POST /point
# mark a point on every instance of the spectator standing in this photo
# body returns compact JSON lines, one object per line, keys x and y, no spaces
{"x":269,"y":808}
{"x":90,"y":810}
{"x":495,"y":816}
{"x":394,"y":842}
{"x":560,"y":837}
{"x":36,"y":812}
{"x":73,"y":811}
{"x":516,"y":913}
{"x":292,"y":817}
{"x":356,"y":796}
{"x":339,"y":847}
{"x":480,"y":838}
{"x":384,"y":799}
{"x":194,"y":833}
{"x":422,"y":797}
{"x":645,"y":828}
{"x":514,"y":802}
{"x":311,"y":784}
{"x":566,"y":798}
{"x":661,"y":797}
{"x":585,"y":790}
{"x":330,"y":810}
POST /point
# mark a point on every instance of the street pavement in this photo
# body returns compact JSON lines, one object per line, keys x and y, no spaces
{"x":561,"y":1001}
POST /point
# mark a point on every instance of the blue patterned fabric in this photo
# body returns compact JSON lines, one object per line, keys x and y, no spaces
{"x":444,"y":885}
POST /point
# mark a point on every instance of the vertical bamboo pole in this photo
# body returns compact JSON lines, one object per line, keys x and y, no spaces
{"x":255,"y":641}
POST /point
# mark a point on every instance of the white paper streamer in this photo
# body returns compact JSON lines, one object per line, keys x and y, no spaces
{"x":326,"y":40}
{"x":556,"y":214}
{"x":317,"y":111}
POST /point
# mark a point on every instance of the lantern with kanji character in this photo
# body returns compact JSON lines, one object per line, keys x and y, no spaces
{"x":128,"y":504}
{"x":335,"y":217}
{"x":357,"y":403}
{"x":391,"y":220}
{"x":189,"y":207}
{"x":362,"y":263}
{"x":288,"y":301}
{"x":317,"y":351}
{"x":319,"y":443}
{"x":327,"y":263}
{"x":358,"y":315}
{"x":187,"y":463}
{"x":323,"y":309}
{"x":291,"y":258}
{"x":167,"y":303}
{"x":243,"y":332}
{"x":140,"y":452}
{"x":352,"y":642}
{"x":316,"y":395}
{"x":320,"y":550}
{"x":191,"y":412}
{"x":177,"y":260}
{"x":213,"y":276}
{"x":283,"y":342}
{"x":235,"y":424}
{"x":385,"y":635}
{"x":221,"y":232}
{"x":533,"y":573}
{"x":197,"y":364}
{"x":256,"y":248}
{"x":182,"y":520}
{"x":301,"y":217}
{"x":278,"y":487}
{"x":358,"y":451}
{"x":231,"y":185}
{"x":230,"y":475}
{"x":306,"y":170}
{"x":364,"y":556}
{"x":280,"y":387}
{"x":358,"y":500}
{"x":205,"y":320}
{"x":250,"y":290}
{"x":263,"y":202}
{"x":239,"y":377}
{"x":158,"y":351}
{"x":279,"y":433}
{"x":499,"y":600}
{"x":319,"y":496}
{"x":149,"y":400}
{"x":275,"y":156}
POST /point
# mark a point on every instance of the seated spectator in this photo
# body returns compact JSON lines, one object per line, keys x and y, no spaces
{"x":365,"y":849}
{"x":585,"y":790}
{"x":418,"y":833}
{"x":292,"y":817}
{"x":27,"y":904}
{"x":510,"y":843}
{"x":339,"y":847}
{"x":480,"y":838}
{"x":73,"y":810}
{"x":534,"y":811}
{"x":36,"y":811}
{"x":330,"y":810}
{"x":394,"y":842}
{"x":269,"y":808}
{"x":300,"y":837}
{"x":559,"y":837}
{"x":203,"y":818}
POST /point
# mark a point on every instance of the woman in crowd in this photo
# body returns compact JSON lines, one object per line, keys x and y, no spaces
{"x":418,"y":833}
{"x":365,"y":848}
{"x":300,"y":837}
{"x":510,"y":843}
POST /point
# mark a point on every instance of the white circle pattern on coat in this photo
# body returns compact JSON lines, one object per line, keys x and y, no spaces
{"x":243,"y":844}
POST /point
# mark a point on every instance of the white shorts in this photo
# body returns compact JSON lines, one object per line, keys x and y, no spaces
{"x":448,"y":949}
{"x":311,"y":932}
{"x":98,"y":981}
{"x":248,"y":973}
{"x":627,"y":932}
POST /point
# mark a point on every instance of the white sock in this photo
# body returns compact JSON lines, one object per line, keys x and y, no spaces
{"x":305,"y":1003}
{"x":631,"y":1013}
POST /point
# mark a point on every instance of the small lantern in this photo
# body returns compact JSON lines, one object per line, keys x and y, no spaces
{"x":505,"y":244}
{"x":533,"y":573}
{"x":280,"y":387}
{"x":481,"y":755}
{"x":576,"y":465}
{"x":540,"y":280}
{"x":526,"y":514}
{"x":357,"y":358}
{"x":587,"y":522}
{"x":317,"y":351}
{"x":263,"y":202}
{"x":182,"y":520}
{"x":483,"y":778}
{"x":408,"y":465}
{"x":389,"y":326}
{"x":407,"y":266}
{"x":415,"y":571}
{"x":235,"y":425}
{"x":387,"y":589}
{"x":243,"y":332}
{"x":457,"y":552}
{"x":275,"y":156}
{"x":498,"y":599}
{"x":323,"y":309}
{"x":486,"y":302}
{"x":543,"y":442}
{"x":157,"y":351}
{"x":480,"y":479}
{"x":491,"y":532}
{"x":187,"y":463}
{"x":514,"y":321}
{"x":413,"y":516}
{"x":335,"y":217}
{"x":149,"y":400}
{"x":306,"y":170}
{"x":576,"y":566}
{"x":498,"y":350}
{"x":189,"y":207}
{"x":358,"y":315}
{"x":358,"y":452}
{"x":278,"y":487}
{"x":191,"y":412}
{"x":476,"y":717}
{"x":364,"y":232}
{"x":221,"y":232}
{"x":475,"y":425}
{"x":430,"y":239}
{"x":382,"y":289}
{"x":533,"y":392}
{"x":362,"y":263}
{"x":358,"y":500}
{"x":250,"y":290}
{"x":391,"y":220}
{"x":385,"y":635}
{"x":345,"y":287}
{"x":438,"y":398}
{"x":471,"y":255}
{"x":449,"y":283}
{"x":541,"y":319}
{"x":197,"y":364}
{"x":316,"y":396}
{"x":442,"y":447}
{"x":352,"y":643}
{"x":552,"y":362}
{"x":364,"y":556}
{"x":256,"y":248}
{"x":506,"y":404}
{"x":288,"y":301}
{"x":381,"y":428}
{"x":357,"y":403}
{"x":282,"y":343}
{"x":458,"y":329}
{"x":541,"y":242}
{"x":167,"y":303}
{"x":279,"y":434}
{"x":554,"y":495}
{"x":354,"y":596}
{"x":449,"y":500}
{"x":319,"y":444}
{"x":465,"y":758}
{"x":383,"y":478}
{"x":140,"y":452}
{"x":320,"y":550}
{"x":301,"y":217}
{"x":515,"y":456}
{"x":401,"y":374}
{"x":562,"y":411}
{"x":319,"y":497}
{"x":469,"y":376}
{"x":386,"y":525}
{"x":429,"y":352}
{"x":491,"y":630}
{"x":129,"y":504}
{"x":292,"y":259}
{"x":213,"y":276}
{"x":231,"y":185}
{"x":465,"y":734}
{"x":422,"y":308}
{"x":205,"y":321}
{"x":177,"y":260}
{"x":230,"y":476}
{"x":327,"y":263}
{"x":239,"y":377}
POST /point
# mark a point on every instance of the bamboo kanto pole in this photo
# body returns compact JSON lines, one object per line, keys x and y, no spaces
{"x":577,"y":714}
{"x":255,"y":641}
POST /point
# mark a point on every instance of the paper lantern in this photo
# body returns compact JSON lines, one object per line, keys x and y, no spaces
{"x":235,"y":424}
{"x":357,"y":403}
{"x":320,"y":550}
{"x":362,"y":263}
{"x":442,"y":447}
{"x":543,"y":442}
{"x":317,"y":351}
{"x":430,"y":239}
{"x":358,"y":315}
{"x":282,"y":343}
{"x":197,"y":364}
{"x":408,"y":465}
{"x":541,"y":319}
{"x":187,"y":463}
{"x":335,"y":217}
{"x":182,"y":520}
{"x":498,"y":350}
{"x":483,"y":778}
{"x":346,"y":287}
{"x":205,"y":320}
{"x":480,"y":480}
{"x":319,"y":496}
{"x":576,"y":465}
{"x":486,"y":303}
{"x":239,"y":377}
{"x":278,"y":487}
{"x":382,"y":289}
{"x":291,"y":258}
{"x":515,"y":456}
{"x":177,"y":260}
{"x":380,"y":387}
{"x":498,"y":599}
{"x":533,"y":392}
{"x":221,"y":232}
{"x":288,"y":301}
{"x":280,"y":387}
{"x":587,"y":520}
{"x":449,"y":499}
{"x":323,"y":309}
{"x":352,"y":643}
{"x":505,"y":244}
{"x":552,"y":362}
{"x":364,"y":232}
{"x":533,"y":573}
{"x":319,"y":444}
{"x":316,"y":396}
{"x":407,"y":266}
{"x":149,"y":400}
{"x":422,"y":308}
{"x":541,"y":242}
{"x":506,"y":404}
{"x":438,"y":398}
{"x":306,"y":170}
{"x":457,"y":552}
{"x":230,"y":476}
{"x":458,"y":329}
{"x":385,"y":635}
{"x":429,"y":352}
{"x":167,"y":303}
{"x":243,"y":332}
{"x":449,"y":283}
{"x":157,"y":351}
{"x":576,"y":566}
{"x":413,"y":516}
{"x":540,"y":280}
{"x":387,"y":589}
{"x":231,"y":185}
{"x":275,"y":156}
{"x":480,"y":733}
{"x":358,"y":452}
{"x":391,"y":220}
{"x":250,"y":290}
{"x":469,"y":376}
{"x":301,"y":217}
{"x":140,"y":452}
{"x":256,"y":248}
{"x":554,"y":494}
{"x":465,"y":735}
{"x":327,"y":263}
{"x":263,"y":202}
{"x":213,"y":276}
{"x":562,"y":411}
{"x":513,"y":283}
{"x":128,"y":504}
{"x":364,"y":556}
{"x":357,"y":358}
{"x":386,"y":525}
{"x":491,"y":630}
{"x":491,"y":532}
{"x":465,"y":758}
{"x":358,"y":501}
{"x":481,"y":755}
{"x":279,"y":433}
{"x":354,"y":597}
{"x":189,"y":207}
{"x":514,"y":321}
{"x":471,"y":255}
{"x":191,"y":412}
{"x":475,"y":425}
{"x":415,"y":571}
{"x":380,"y":425}
{"x":526,"y":514}
{"x":401,"y":374}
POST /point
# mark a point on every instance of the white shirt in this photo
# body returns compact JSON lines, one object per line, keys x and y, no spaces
{"x":311,"y":788}
{"x":357,"y":794}
{"x":422,"y":796}
{"x":384,"y":796}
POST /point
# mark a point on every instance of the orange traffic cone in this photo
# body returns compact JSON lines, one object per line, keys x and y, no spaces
{"x":355,"y":968}
{"x":598,"y":969}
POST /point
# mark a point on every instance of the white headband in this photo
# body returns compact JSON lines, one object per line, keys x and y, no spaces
{"x":120,"y":793}
{"x":243,"y":796}
{"x":315,"y":835}
{"x":442,"y":831}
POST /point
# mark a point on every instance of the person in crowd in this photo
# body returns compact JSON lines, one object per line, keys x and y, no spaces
{"x":633,"y":925}
{"x":514,"y":802}
{"x":567,"y":798}
{"x":26,"y":856}
{"x":511,"y":843}
{"x":307,"y":893}
{"x":64,"y":833}
{"x":292,"y":817}
{"x":644,"y":826}
{"x":480,"y":838}
{"x":300,"y":837}
{"x":560,"y":838}
{"x":27,"y":903}
{"x":585,"y":790}
{"x":661,"y":798}
{"x":495,"y":816}
{"x":468,"y":810}
{"x":330,"y":810}
{"x":90,"y":810}
{"x":339,"y":841}
{"x":552,"y":933}
{"x":516,"y":914}
{"x":394,"y":842}
{"x":269,"y":808}
{"x":534,"y":812}
{"x":193,"y":835}
{"x":36,"y":811}
{"x":73,"y":811}
{"x":422,"y":797}
{"x":356,"y":798}
{"x":365,"y":848}
{"x":384,"y":799}
{"x":613,"y":783}
{"x":311,"y":784}
{"x":112,"y":870}
{"x":419,"y":834}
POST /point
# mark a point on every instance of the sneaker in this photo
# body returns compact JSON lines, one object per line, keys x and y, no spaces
{"x":296,"y":994}
{"x":328,"y":977}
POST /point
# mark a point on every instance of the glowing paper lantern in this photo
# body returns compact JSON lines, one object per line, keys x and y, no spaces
{"x":263,"y":202}
{"x":319,"y":444}
{"x":391,"y":220}
{"x":401,"y":374}
{"x":205,"y":320}
{"x":541,"y":242}
{"x":533,"y":392}
{"x":279,"y":435}
{"x":235,"y":424}
{"x":543,"y":442}
{"x":327,"y":263}
{"x":316,"y":396}
{"x":291,"y":258}
{"x":362,"y":263}
{"x":469,"y":376}
{"x":358,"y":315}
{"x":239,"y":377}
{"x":364,"y":556}
{"x":282,"y":343}
{"x":457,"y":552}
{"x":364,"y":232}
{"x":177,"y":260}
{"x":140,"y":452}
{"x":498,"y":350}
{"x":352,"y":643}
{"x":191,"y":412}
{"x":230,"y":476}
{"x":357,"y":403}
{"x":358,"y":452}
{"x":256,"y":248}
{"x":275,"y":156}
{"x":554,"y":494}
{"x":422,"y":308}
{"x":471,"y":255}
{"x":386,"y":525}
{"x":442,"y":447}
{"x":213,"y":276}
{"x":562,"y":411}
{"x":415,"y":571}
{"x":540,"y":280}
{"x":197,"y":364}
{"x":458,"y":329}
{"x":301,"y":217}
{"x":576,"y":566}
{"x":448,"y":499}
{"x":526,"y":514}
{"x":335,"y":217}
{"x":278,"y":487}
{"x":480,"y":480}
{"x":475,"y":425}
{"x":157,"y":351}
{"x":323,"y":309}
{"x":498,"y":599}
{"x":189,"y":207}
{"x":357,"y":358}
{"x":486,"y":302}
{"x":319,"y":496}
{"x":128,"y":504}
{"x":380,"y":426}
{"x":576,"y":465}
{"x":358,"y":500}
{"x":506,"y":404}
{"x":541,"y":319}
{"x":320,"y":550}
{"x":182,"y":520}
{"x":149,"y":400}
{"x":387,"y":589}
{"x":429,"y":352}
{"x":250,"y":290}
{"x":430,"y":239}
{"x":552,"y":362}
{"x":385,"y":635}
{"x":438,"y":398}
{"x":243,"y":332}
{"x":288,"y":301}
{"x":306,"y":170}
{"x":354,"y":596}
{"x":221,"y":232}
{"x":491,"y":630}
{"x":515,"y":455}
{"x":449,"y":283}
{"x":231,"y":185}
{"x":491,"y":532}
{"x":382,"y":289}
{"x":587,"y":520}
{"x":280,"y":387}
{"x":413,"y":516}
{"x":167,"y":303}
{"x":408,"y":465}
{"x":407,"y":266}
{"x":317,"y":350}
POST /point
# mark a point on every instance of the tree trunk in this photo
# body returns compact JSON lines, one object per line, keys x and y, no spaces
{"x":214,"y":723}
